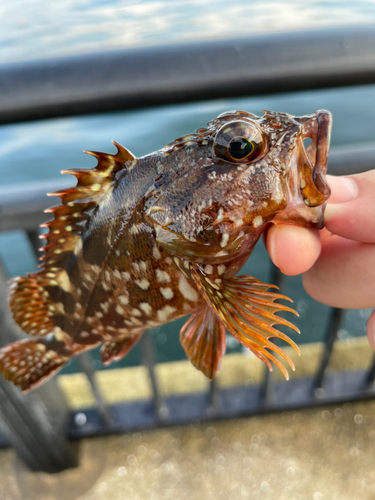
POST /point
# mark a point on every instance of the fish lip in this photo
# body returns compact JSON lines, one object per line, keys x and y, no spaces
{"x":316,"y":127}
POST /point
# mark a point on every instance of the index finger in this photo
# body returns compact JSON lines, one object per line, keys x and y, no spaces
{"x":350,"y":212}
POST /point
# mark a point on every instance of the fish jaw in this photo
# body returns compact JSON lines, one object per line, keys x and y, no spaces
{"x":306,"y":185}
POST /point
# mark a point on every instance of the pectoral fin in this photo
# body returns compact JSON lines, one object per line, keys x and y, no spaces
{"x":248,"y":310}
{"x":204,"y":341}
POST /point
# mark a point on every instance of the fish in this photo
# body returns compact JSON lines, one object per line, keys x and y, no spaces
{"x":140,"y":242}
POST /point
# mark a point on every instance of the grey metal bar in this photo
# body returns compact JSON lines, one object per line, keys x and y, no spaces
{"x":148,"y":356}
{"x":242,"y":401}
{"x":86,"y":365}
{"x":370,"y":379}
{"x":33,"y":424}
{"x":331,"y":335}
{"x":214,"y":397}
{"x":21,"y":207}
{"x":265,"y":386}
{"x":140,"y":77}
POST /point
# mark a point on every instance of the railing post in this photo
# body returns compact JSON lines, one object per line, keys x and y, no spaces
{"x":148,"y":357}
{"x":33,"y":424}
{"x":332,"y":330}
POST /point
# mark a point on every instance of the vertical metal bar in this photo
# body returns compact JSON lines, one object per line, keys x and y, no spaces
{"x":276,"y":276}
{"x":331,"y":335}
{"x":34,"y":424}
{"x":265,"y":387}
{"x":370,"y":378}
{"x":85,"y":363}
{"x":214,"y":397}
{"x":149,"y":356}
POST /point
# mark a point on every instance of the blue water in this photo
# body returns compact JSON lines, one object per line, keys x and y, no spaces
{"x":38,"y":151}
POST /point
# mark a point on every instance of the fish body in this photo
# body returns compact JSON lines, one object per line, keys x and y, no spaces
{"x":140,"y":242}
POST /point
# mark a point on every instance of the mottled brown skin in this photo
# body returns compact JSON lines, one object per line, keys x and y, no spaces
{"x":141,"y":242}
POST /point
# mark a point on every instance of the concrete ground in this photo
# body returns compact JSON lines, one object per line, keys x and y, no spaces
{"x":318,"y":454}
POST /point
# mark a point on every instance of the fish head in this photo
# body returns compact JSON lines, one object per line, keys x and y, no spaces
{"x":223,"y":185}
{"x":275,"y":176}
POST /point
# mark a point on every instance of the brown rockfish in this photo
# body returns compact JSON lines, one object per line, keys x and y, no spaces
{"x":142,"y":241}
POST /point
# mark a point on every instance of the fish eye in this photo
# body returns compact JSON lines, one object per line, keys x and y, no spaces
{"x":240,"y":141}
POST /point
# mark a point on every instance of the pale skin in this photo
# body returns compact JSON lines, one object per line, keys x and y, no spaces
{"x":338,"y":263}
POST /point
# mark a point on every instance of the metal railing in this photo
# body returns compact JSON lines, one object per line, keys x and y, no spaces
{"x":36,"y":425}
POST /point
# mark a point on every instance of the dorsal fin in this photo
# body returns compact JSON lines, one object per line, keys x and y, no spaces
{"x":78,"y":202}
{"x":63,"y":236}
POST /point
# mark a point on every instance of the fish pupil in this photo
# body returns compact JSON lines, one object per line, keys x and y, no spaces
{"x":240,"y":148}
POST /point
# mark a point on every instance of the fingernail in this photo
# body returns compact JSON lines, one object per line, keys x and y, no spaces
{"x":344,"y":189}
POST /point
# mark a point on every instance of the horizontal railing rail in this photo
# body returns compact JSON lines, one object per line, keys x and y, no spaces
{"x":147,"y":76}
{"x":152,"y":76}
{"x":21,"y":207}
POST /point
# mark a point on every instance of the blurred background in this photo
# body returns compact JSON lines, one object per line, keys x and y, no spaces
{"x":36,"y":151}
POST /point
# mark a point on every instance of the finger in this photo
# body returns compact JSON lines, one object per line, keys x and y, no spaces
{"x":370,"y":329}
{"x":343,"y":189}
{"x":293,"y":249}
{"x":351,"y":214}
{"x":344,"y":274}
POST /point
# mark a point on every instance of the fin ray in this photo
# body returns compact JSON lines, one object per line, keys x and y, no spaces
{"x":248,"y":312}
{"x":29,"y":363}
{"x":203,"y":338}
{"x":117,"y":349}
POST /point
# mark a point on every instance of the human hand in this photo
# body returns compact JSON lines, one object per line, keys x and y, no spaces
{"x":337,"y":263}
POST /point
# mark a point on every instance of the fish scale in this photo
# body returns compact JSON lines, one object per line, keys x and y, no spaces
{"x":139,"y":242}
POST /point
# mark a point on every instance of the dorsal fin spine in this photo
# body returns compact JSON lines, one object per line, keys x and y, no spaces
{"x":64,"y":233}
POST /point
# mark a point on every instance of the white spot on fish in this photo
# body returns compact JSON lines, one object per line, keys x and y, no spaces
{"x":187,"y":290}
{"x":78,"y":247}
{"x":224,"y":240}
{"x":156,"y":253}
{"x":136,"y":267}
{"x":146,"y":308}
{"x":143,"y":284}
{"x":143,"y":265}
{"x":117,"y":274}
{"x":64,"y":280}
{"x":162,"y":276}
{"x":167,"y":293}
{"x":120,"y":310}
{"x":88,"y":277}
{"x":123,"y":299}
{"x":221,"y":269}
{"x":208,"y":269}
{"x":165,"y":313}
{"x":257,"y":221}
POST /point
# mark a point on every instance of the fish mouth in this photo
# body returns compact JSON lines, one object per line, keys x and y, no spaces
{"x":314,"y":188}
{"x":309,"y":190}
